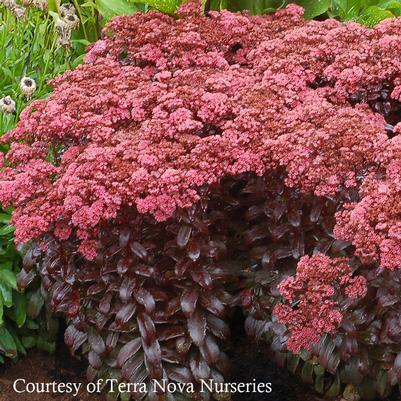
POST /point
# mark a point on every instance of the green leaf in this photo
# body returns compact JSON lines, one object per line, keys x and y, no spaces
{"x":335,"y":388}
{"x":1,"y":311}
{"x":29,"y":341}
{"x":7,"y":230}
{"x":293,"y":362}
{"x":20,"y":347}
{"x":313,"y":8}
{"x":111,"y":8}
{"x":7,"y":277}
{"x":7,"y":295}
{"x":7,"y":343}
{"x":165,"y":6}
{"x":46,"y":346}
{"x":373,"y":15}
{"x":392,"y":5}
{"x":6,"y":265}
{"x":307,"y":373}
{"x":53,"y":5}
{"x":32,"y":324}
{"x":35,"y":304}
{"x":5,"y":218}
{"x":19,"y":307}
{"x":389,"y":4}
{"x":382,"y":383}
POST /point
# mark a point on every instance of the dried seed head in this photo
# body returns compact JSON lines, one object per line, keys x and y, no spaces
{"x":63,"y":31}
{"x":17,"y":10}
{"x":67,"y":9}
{"x":72,"y":21}
{"x":27,"y":86}
{"x":40,"y":4}
{"x":7,"y":105}
{"x":8,"y":4}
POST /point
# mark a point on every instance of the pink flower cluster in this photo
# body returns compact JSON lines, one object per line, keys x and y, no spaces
{"x":164,"y":106}
{"x":312,"y":298}
{"x":373,"y":224}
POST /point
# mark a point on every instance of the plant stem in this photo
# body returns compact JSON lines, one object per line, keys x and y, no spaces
{"x":77,"y":6}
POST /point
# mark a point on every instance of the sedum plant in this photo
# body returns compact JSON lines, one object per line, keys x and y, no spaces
{"x":198,"y":164}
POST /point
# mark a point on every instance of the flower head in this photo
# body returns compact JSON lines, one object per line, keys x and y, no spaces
{"x":7,"y":105}
{"x":63,"y":31}
{"x":67,"y":9}
{"x":72,"y":21}
{"x":27,"y":86}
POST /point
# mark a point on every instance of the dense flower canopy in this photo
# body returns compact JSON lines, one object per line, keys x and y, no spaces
{"x":147,"y":122}
{"x":165,"y":107}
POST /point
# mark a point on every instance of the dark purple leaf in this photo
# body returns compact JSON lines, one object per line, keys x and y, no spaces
{"x":112,"y":340}
{"x":125,"y":314}
{"x":201,"y":277}
{"x":96,"y":342}
{"x":132,"y":365}
{"x":172,"y":307}
{"x":104,"y":304}
{"x":124,"y":237}
{"x":193,"y":250}
{"x":170,"y":332}
{"x":145,"y":298}
{"x":172,"y":356}
{"x":182,"y":345}
{"x":94,"y":289}
{"x":126,"y":289}
{"x":218,"y":327}
{"x":212,"y":304}
{"x":184,"y":233}
{"x":123,"y":265}
{"x":146,"y":328}
{"x":199,"y":367}
{"x":94,"y":360}
{"x":128,"y":351}
{"x":139,"y":250}
{"x":197,"y":327}
{"x":189,"y":298}
{"x":154,"y":360}
{"x":74,"y":338}
{"x":179,"y":374}
{"x":24,"y":278}
{"x":210,"y":350}
{"x":28,"y":260}
{"x":182,"y":266}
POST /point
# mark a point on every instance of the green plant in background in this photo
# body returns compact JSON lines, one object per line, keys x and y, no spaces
{"x":29,"y":48}
{"x":368,"y":12}
{"x":30,"y":55}
{"x":24,"y":320}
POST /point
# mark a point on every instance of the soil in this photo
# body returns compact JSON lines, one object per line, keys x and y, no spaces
{"x":249,"y":362}
{"x":39,"y":367}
